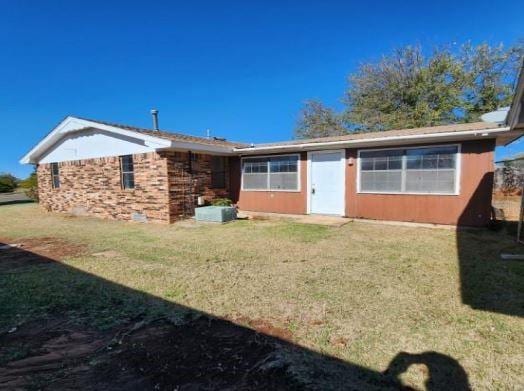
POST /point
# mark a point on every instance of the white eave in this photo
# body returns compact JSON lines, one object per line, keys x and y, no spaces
{"x":503,"y":136}
{"x":73,"y":124}
{"x":200,"y":147}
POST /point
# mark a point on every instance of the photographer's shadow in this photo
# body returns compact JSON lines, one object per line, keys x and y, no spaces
{"x":444,"y":372}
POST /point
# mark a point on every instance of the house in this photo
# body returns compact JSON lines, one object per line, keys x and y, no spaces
{"x":441,"y":174}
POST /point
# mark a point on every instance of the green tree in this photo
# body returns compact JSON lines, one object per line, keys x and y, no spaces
{"x":317,"y":120}
{"x":405,"y":90}
{"x":30,"y":186}
{"x":8,"y":183}
{"x":490,"y":73}
{"x":409,"y":89}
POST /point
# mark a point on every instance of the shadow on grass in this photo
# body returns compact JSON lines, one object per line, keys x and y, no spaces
{"x":14,"y":202}
{"x":63,"y":328}
{"x":487,"y":282}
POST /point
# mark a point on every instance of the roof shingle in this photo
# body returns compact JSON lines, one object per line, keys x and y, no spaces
{"x":172,"y":136}
{"x":389,"y":133}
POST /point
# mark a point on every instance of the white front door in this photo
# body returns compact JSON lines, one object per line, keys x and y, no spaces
{"x":327,"y":182}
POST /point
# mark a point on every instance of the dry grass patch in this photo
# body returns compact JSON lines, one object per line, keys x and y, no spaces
{"x":361,"y":292}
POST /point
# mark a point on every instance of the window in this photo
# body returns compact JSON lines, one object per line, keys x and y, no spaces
{"x":218,"y":172}
{"x":411,"y":170}
{"x":270,"y":173}
{"x":55,"y":176}
{"x":381,"y":171}
{"x":127,"y":172}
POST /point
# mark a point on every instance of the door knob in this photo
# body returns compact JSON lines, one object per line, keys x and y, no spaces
{"x":312,"y":190}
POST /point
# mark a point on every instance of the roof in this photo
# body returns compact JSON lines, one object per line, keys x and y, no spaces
{"x":513,"y":158}
{"x":369,"y":135}
{"x":151,"y":139}
{"x":396,"y":137}
{"x":171,"y":136}
{"x":159,"y":140}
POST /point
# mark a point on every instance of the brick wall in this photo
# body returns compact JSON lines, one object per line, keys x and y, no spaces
{"x":167,"y":186}
{"x":189,"y":178}
{"x":93,"y":187}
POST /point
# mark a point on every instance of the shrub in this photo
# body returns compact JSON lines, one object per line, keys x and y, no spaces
{"x":8,"y":183}
{"x":221,"y":202}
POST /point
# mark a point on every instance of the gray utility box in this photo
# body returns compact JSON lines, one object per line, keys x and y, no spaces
{"x":216,"y":214}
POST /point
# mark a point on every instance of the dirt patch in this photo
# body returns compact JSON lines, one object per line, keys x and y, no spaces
{"x":339,"y":342}
{"x":204,"y":353}
{"x":41,"y":347}
{"x":22,"y":252}
{"x":266,"y":327}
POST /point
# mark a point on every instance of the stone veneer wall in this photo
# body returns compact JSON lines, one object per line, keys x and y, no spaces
{"x":166,"y":189}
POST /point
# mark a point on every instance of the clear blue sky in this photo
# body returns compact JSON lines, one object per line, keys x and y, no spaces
{"x":242,"y":69}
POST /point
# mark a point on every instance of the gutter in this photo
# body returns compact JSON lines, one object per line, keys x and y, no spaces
{"x":197,"y":147}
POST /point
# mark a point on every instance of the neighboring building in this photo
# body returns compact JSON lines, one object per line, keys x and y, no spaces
{"x":440,"y":174}
{"x":513,"y":165}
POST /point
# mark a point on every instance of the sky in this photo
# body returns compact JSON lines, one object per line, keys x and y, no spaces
{"x":241,"y":69}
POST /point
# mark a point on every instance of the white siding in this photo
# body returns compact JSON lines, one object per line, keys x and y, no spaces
{"x":89,"y":144}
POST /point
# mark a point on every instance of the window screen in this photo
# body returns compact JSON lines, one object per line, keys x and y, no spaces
{"x":416,"y":170}
{"x":431,"y":170}
{"x":55,"y":175}
{"x":381,"y":171}
{"x":127,"y":172}
{"x":270,"y":173}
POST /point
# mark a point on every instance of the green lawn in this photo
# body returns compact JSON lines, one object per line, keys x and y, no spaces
{"x":362,"y":292}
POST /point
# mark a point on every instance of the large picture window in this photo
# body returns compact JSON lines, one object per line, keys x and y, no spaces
{"x":127,"y":172}
{"x":270,"y":173}
{"x":430,"y":170}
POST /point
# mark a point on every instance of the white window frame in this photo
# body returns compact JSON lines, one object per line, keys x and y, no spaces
{"x":268,"y":190}
{"x":122,"y":173}
{"x":53,"y":175}
{"x":458,"y":170}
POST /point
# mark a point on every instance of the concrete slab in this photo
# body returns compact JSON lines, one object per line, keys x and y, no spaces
{"x":409,"y":224}
{"x":332,"y":221}
{"x":336,"y":221}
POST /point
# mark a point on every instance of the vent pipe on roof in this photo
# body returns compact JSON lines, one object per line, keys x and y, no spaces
{"x":154,"y":113}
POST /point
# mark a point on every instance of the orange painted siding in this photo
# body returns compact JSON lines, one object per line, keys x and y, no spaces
{"x":472,"y":207}
{"x":271,"y":201}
